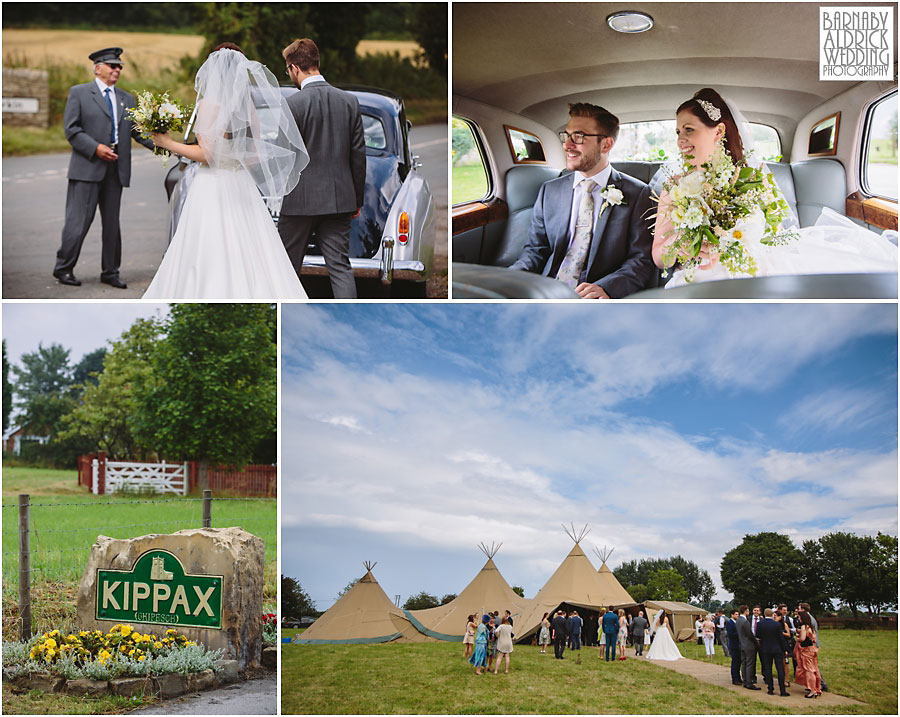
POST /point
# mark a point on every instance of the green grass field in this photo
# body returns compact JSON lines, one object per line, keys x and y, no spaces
{"x":66,"y":519}
{"x":469,"y":183}
{"x":432,"y":678}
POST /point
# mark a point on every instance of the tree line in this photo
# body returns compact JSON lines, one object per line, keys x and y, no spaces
{"x":199,"y":384}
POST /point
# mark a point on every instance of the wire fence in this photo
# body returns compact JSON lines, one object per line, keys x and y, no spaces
{"x":46,"y":546}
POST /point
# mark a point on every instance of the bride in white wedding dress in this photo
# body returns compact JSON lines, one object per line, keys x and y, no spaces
{"x":833,"y":245}
{"x":226,"y":245}
{"x":663,"y":646}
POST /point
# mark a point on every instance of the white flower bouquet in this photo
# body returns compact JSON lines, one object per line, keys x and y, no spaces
{"x":711,"y":204}
{"x":156,"y":112}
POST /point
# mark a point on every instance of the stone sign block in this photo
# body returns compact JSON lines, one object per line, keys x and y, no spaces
{"x":206,"y":583}
{"x":26,"y":98}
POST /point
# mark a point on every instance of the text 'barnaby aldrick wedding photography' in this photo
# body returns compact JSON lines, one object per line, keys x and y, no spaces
{"x":856,"y":43}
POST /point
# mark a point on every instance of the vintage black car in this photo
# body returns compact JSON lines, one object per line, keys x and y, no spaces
{"x":393,"y":236}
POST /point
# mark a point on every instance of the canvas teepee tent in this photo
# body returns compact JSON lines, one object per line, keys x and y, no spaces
{"x":613,"y":592}
{"x":362,"y":614}
{"x":487,"y":591}
{"x":575,"y":583}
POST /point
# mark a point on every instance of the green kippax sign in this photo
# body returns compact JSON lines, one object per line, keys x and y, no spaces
{"x":157,"y":590}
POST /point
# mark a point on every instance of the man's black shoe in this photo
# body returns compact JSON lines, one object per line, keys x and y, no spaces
{"x":114,"y":281}
{"x":66,"y":277}
{"x":737,"y":682}
{"x":751,"y":687}
{"x":770,"y":692}
{"x":784,"y":694}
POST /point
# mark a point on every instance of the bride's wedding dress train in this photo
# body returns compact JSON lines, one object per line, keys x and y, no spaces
{"x":226,"y":245}
{"x":663,"y":646}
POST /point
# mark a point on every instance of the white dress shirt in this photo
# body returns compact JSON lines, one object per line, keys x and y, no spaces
{"x":602,"y":179}
{"x":115,"y":105}
{"x":312,"y":78}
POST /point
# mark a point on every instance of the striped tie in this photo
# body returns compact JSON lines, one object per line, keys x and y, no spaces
{"x":573,"y":264}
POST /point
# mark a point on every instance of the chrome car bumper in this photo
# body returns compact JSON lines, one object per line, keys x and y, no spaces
{"x":375,"y":268}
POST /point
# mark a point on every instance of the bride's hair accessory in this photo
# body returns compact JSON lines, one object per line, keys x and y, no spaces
{"x":713,"y":112}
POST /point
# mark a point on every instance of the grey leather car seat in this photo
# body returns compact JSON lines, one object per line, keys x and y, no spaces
{"x":522,"y":185}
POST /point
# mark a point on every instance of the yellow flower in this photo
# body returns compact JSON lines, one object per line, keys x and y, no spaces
{"x":83,"y":633}
{"x":737,"y":234}
{"x":50,"y":642}
{"x":141,"y":658}
{"x":157,"y":645}
{"x":51,"y":652}
{"x":170,"y":631}
{"x":131,"y":652}
{"x":122,"y":648}
{"x":125,"y":630}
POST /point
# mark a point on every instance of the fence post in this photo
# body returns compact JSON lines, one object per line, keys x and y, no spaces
{"x":24,"y":569}
{"x":101,"y":477}
{"x":207,"y":509}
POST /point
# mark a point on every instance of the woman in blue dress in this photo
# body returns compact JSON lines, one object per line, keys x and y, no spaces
{"x":478,"y":658}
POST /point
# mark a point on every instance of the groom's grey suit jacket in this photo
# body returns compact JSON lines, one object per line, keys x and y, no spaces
{"x":331,"y":126}
{"x":619,"y":260}
{"x":86,"y":124}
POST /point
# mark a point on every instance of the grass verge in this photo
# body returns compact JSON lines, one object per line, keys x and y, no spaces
{"x":35,"y":702}
{"x":389,"y":679}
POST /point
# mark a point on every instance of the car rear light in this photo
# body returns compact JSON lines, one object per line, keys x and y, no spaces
{"x":403,"y":228}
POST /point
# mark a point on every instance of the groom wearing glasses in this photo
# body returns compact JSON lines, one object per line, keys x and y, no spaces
{"x":591,"y":229}
{"x":100,"y":134}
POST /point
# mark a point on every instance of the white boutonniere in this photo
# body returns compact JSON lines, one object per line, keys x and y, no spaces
{"x":611,"y":194}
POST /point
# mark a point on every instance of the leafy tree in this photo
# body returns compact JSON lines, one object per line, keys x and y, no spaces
{"x":884,"y":558}
{"x":212,"y":396}
{"x":429,"y":27}
{"x":261,"y":30}
{"x":697,"y":582}
{"x":421,"y":601}
{"x":7,"y":390}
{"x":811,"y":572}
{"x":43,"y":386}
{"x":86,"y":370}
{"x":347,"y":587}
{"x":295,"y":602}
{"x":763,"y":570}
{"x":447,"y":598}
{"x":667,"y":585}
{"x":639,"y":592}
{"x":337,"y":29}
{"x":105,"y":417}
{"x":849,"y":570}
{"x":520,"y":591}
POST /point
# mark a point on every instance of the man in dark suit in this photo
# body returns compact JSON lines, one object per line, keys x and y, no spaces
{"x":772,"y":647}
{"x":591,"y":229}
{"x":734,"y":647}
{"x":100,"y":133}
{"x":560,"y":629}
{"x":748,"y":648}
{"x":330,"y":191}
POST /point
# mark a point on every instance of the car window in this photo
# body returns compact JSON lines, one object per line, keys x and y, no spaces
{"x":879,"y":170}
{"x":470,"y":179}
{"x":525,"y":147}
{"x":374,"y":132}
{"x":655,"y":141}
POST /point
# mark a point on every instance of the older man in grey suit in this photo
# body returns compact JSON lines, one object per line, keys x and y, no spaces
{"x":100,"y":133}
{"x":330,"y":191}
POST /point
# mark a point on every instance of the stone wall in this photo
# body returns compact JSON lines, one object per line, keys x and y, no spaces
{"x":23,"y":83}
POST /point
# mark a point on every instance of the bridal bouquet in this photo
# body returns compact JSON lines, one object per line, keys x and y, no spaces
{"x":157,"y":113}
{"x":712,"y":203}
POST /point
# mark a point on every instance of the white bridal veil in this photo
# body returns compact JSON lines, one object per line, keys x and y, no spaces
{"x":242,"y":120}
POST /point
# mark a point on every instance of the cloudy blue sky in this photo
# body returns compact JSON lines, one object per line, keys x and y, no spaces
{"x":413,"y":432}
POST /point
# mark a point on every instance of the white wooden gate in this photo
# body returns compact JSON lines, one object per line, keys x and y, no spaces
{"x":158,"y":477}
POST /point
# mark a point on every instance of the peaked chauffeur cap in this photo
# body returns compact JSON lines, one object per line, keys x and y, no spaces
{"x":111,"y":56}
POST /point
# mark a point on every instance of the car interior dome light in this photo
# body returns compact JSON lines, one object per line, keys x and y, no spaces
{"x":630,"y":21}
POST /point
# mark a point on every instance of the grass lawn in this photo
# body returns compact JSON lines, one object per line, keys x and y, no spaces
{"x":36,"y":702}
{"x":469,"y":183}
{"x":432,"y":678}
{"x":65,"y":520}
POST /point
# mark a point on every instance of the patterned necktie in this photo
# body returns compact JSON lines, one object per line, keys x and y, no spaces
{"x":573,"y":264}
{"x":112,"y":116}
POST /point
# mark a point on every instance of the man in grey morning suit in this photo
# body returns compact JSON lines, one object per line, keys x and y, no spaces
{"x":591,"y":229}
{"x":330,"y":191}
{"x":748,"y":649}
{"x":100,"y":134}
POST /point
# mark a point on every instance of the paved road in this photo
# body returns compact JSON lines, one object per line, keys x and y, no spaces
{"x":254,"y":697}
{"x":34,"y":199}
